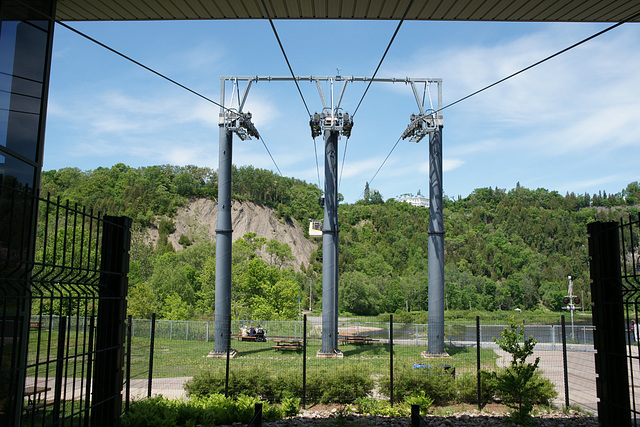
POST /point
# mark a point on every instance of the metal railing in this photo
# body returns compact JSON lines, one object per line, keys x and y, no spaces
{"x":54,"y":284}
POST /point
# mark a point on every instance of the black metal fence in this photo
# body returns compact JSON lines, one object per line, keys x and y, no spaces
{"x":385,"y":351}
{"x":615,"y":290}
{"x":63,"y":288}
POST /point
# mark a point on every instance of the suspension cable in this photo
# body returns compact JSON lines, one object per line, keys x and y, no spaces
{"x":383,"y":162}
{"x":591,"y":37}
{"x":166,"y":78}
{"x":138,"y":63}
{"x":383,"y":56}
{"x":344,"y":155}
{"x":272,"y":159}
{"x":275,"y":32}
{"x":315,"y":150}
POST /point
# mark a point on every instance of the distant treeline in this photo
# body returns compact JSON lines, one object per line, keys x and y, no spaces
{"x":503,"y":249}
{"x":145,"y":192}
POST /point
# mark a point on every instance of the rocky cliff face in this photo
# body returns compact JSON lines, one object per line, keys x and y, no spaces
{"x":198,"y":219}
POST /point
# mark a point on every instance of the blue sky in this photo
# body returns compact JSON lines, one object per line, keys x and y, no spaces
{"x":571,"y":124}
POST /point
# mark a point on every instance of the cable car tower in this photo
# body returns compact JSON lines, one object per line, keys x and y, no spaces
{"x":333,"y":122}
{"x":430,"y":122}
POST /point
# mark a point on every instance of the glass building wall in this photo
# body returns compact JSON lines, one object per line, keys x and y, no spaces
{"x":26,"y":37}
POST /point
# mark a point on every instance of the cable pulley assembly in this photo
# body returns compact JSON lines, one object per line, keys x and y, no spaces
{"x":339,"y":121}
{"x":420,"y":126}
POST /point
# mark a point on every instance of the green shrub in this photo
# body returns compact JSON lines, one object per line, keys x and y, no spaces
{"x":206,"y":383}
{"x":339,"y":384}
{"x":436,"y":383}
{"x":371,"y":406}
{"x":420,"y":399}
{"x":540,"y":390}
{"x":152,"y":412}
{"x":214,"y":409}
{"x":467,"y":386}
{"x":290,"y":406}
{"x":335,"y":385}
{"x":520,"y":384}
{"x":272,"y":386}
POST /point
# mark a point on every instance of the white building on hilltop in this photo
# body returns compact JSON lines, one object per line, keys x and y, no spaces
{"x":419,"y":200}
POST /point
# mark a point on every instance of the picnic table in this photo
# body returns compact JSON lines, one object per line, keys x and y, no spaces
{"x":356,"y":339}
{"x":34,"y":324}
{"x":246,"y":338}
{"x":288,"y":345}
{"x":32,"y":393}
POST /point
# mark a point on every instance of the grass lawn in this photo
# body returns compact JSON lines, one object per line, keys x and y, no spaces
{"x":174,"y":358}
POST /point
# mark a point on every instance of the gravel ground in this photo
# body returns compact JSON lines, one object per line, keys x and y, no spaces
{"x":334,"y":417}
{"x":458,"y":420}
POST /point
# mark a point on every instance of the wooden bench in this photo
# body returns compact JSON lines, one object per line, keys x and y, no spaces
{"x":33,"y":395}
{"x":288,"y":345}
{"x":355,"y":339}
{"x":246,"y":338}
{"x":35,"y":325}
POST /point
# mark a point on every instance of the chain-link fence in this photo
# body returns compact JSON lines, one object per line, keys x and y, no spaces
{"x":385,"y":361}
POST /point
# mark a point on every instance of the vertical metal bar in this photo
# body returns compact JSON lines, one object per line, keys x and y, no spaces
{"x":87,"y":402}
{"x":62,"y":330}
{"x":224,"y":241}
{"x":257,"y":417}
{"x":304,"y":362}
{"x":478,"y":367}
{"x":391,"y":358}
{"x":128,"y":378}
{"x":415,"y":415}
{"x":612,"y":382}
{"x":330,"y":246}
{"x":226,"y":379}
{"x":436,"y":246}
{"x":151,"y":347}
{"x":564,"y":362}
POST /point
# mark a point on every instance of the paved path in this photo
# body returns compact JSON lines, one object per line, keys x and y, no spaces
{"x":581,"y":375}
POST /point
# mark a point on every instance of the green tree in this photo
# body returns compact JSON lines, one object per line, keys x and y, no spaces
{"x":515,"y":383}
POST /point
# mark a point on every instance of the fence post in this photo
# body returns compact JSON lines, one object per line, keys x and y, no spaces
{"x":110,"y":332}
{"x":415,"y":415}
{"x":478,"y":362}
{"x":151,"y":347}
{"x":257,"y":417}
{"x":304,"y":363}
{"x":391,"y":357}
{"x":62,"y":333}
{"x":226,"y":380}
{"x":612,"y":382}
{"x":564,"y":361}
{"x":128,"y":363}
{"x":87,"y":400}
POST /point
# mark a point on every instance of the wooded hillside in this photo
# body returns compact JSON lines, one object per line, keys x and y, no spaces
{"x":503,"y":249}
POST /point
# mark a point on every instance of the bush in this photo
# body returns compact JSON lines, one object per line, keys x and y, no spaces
{"x":520,"y":384}
{"x":152,"y":412}
{"x":214,"y":409}
{"x":436,"y":383}
{"x":339,"y":384}
{"x":467,"y":386}
{"x":420,"y":399}
{"x":336,"y":385}
{"x":291,"y":406}
{"x":371,"y":406}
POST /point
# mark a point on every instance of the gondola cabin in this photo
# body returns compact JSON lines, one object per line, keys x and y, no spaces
{"x":315,"y":229}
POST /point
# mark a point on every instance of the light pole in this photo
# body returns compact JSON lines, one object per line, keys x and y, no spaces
{"x":572,"y":304}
